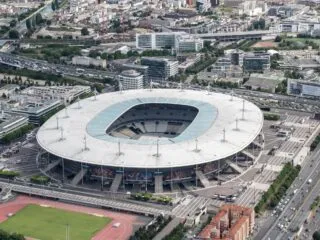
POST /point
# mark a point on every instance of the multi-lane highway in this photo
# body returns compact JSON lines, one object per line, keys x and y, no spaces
{"x":58,"y":69}
{"x":299,"y":197}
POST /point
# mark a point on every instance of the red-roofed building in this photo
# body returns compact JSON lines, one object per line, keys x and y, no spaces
{"x":232,"y":222}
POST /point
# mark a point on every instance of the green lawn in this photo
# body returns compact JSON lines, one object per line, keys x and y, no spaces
{"x":47,"y":223}
{"x":316,"y":40}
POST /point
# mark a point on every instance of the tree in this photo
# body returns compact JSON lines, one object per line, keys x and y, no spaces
{"x":28,"y":24}
{"x":278,"y":39}
{"x":13,"y":23}
{"x":84,"y":31}
{"x":56,"y":2}
{"x":316,"y":235}
{"x":33,"y":22}
{"x":53,"y":6}
{"x":14,"y":34}
{"x":39,"y":19}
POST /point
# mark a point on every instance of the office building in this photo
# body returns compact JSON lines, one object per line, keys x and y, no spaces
{"x":35,"y":108}
{"x":303,"y":88}
{"x":203,"y":5}
{"x":87,"y":61}
{"x":179,"y":41}
{"x":130,"y":79}
{"x":232,"y":222}
{"x":139,"y":68}
{"x":256,"y":63}
{"x":215,"y":3}
{"x":63,"y":93}
{"x":8,"y":90}
{"x":188,"y":43}
{"x":160,"y":69}
{"x":10,"y":122}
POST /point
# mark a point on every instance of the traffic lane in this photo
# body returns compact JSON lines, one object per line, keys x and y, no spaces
{"x":299,"y":182}
{"x":303,"y":211}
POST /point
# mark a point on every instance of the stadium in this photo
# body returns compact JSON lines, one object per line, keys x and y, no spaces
{"x":151,"y":140}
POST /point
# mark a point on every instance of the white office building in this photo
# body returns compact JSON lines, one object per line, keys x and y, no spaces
{"x":63,"y":93}
{"x":303,"y":88}
{"x":188,"y":43}
{"x":180,"y":41}
{"x":130,"y":79}
{"x":87,"y":61}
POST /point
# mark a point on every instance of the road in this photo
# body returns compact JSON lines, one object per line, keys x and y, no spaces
{"x":290,"y":215}
{"x":57,"y":69}
{"x":261,"y":98}
{"x":82,"y":199}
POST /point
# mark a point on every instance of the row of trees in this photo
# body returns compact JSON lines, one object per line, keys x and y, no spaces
{"x":55,"y":5}
{"x":278,"y":188}
{"x":48,"y":115}
{"x":151,"y":231}
{"x":201,"y":65}
{"x":8,"y":174}
{"x":34,"y":21}
{"x":258,"y":25}
{"x":177,"y":233}
{"x":315,"y":143}
{"x":17,"y":133}
{"x":118,"y":55}
{"x":10,"y":236}
{"x":40,"y":179}
{"x":271,"y":116}
{"x":149,"y":197}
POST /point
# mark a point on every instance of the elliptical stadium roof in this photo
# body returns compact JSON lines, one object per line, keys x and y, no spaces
{"x":216,"y":113}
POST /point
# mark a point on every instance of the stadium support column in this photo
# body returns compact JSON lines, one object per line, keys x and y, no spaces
{"x":82,"y":173}
{"x":101,"y":176}
{"x":146,"y":180}
{"x":123,"y":176}
{"x":218,"y":170}
{"x":196,"y":176}
{"x":62,"y":160}
{"x":171,"y":180}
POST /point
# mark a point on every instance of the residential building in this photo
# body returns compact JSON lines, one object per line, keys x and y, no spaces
{"x":87,"y":61}
{"x":232,"y":222}
{"x":303,"y":88}
{"x":160,"y":69}
{"x":256,"y":62}
{"x":130,"y":79}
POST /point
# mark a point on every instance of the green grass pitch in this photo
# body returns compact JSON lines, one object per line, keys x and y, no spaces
{"x":46,"y":223}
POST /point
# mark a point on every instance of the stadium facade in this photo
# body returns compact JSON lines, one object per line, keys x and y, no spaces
{"x":152,"y":140}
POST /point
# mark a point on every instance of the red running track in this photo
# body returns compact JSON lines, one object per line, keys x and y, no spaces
{"x":123,"y":232}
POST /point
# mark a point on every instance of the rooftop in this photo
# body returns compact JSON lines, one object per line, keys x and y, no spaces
{"x":216,"y":113}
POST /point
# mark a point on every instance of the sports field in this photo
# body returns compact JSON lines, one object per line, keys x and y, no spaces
{"x":48,"y":223}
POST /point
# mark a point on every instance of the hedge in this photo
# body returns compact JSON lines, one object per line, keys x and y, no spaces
{"x":17,"y":133}
{"x":271,"y":116}
{"x":10,"y":236}
{"x":39,"y":179}
{"x":8,"y":174}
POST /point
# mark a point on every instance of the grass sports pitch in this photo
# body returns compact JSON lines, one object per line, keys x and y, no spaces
{"x":48,"y":223}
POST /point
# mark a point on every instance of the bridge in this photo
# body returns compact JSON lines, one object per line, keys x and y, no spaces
{"x":235,"y":36}
{"x":85,"y":200}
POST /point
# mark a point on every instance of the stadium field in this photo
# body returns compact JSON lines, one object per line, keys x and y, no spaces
{"x":46,"y":223}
